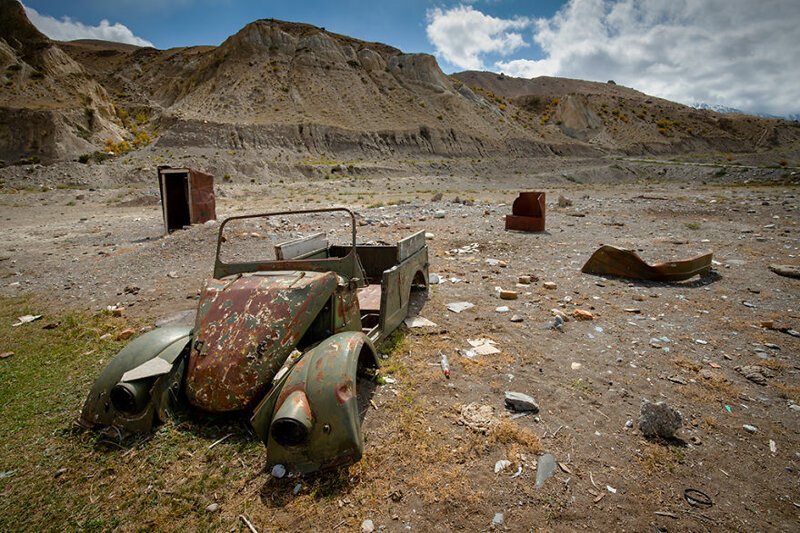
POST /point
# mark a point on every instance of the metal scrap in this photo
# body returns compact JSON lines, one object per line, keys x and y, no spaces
{"x":527,"y":212}
{"x":612,"y":261}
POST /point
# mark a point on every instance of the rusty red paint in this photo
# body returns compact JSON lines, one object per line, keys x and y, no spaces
{"x":345,"y":391}
{"x":247,"y":326}
{"x":527,"y":212}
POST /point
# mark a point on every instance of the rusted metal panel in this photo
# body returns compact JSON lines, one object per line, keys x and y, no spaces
{"x":396,"y":290}
{"x":319,"y":393}
{"x":527,"y":212}
{"x":303,"y":248}
{"x":246,"y":328}
{"x":167,"y":343}
{"x":408,"y":246}
{"x":187,"y":197}
{"x":347,"y":266}
{"x":612,"y":261}
{"x":203,"y":206}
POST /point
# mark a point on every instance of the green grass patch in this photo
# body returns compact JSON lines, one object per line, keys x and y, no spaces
{"x":161,"y":482}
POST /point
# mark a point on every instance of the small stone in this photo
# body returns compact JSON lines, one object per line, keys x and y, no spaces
{"x":172,"y":274}
{"x":212,"y":508}
{"x":563,"y":201}
{"x":125,"y":334}
{"x":659,"y":420}
{"x":516,"y":318}
{"x":440,"y":213}
{"x":498,"y":519}
{"x":550,"y":285}
{"x":501,"y":465}
{"x":508,"y":294}
{"x":524,"y":280}
{"x":297,"y":488}
{"x":436,"y":197}
{"x":576,"y":366}
{"x":60,"y":472}
{"x":520,"y":402}
{"x":429,"y":236}
{"x":278,"y":471}
{"x":545,"y":467}
{"x":581,"y":314}
{"x":367,"y":526}
{"x":750,"y":429}
{"x":503,"y":309}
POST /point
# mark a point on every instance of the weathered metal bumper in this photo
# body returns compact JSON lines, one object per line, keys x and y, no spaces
{"x":611,"y":261}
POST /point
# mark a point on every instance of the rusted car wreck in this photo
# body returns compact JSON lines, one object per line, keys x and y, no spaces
{"x":282,"y":340}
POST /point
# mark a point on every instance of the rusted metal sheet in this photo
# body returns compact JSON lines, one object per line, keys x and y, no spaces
{"x":611,"y":261}
{"x":167,"y":344}
{"x":311,"y":420}
{"x":187,"y":197}
{"x":527,"y":212}
{"x":408,"y":246}
{"x":246,"y":328}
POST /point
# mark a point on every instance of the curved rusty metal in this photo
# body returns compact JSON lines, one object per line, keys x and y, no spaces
{"x":527,"y":212}
{"x":612,"y":261}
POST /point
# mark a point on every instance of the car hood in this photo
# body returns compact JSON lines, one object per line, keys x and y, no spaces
{"x":247,"y":325}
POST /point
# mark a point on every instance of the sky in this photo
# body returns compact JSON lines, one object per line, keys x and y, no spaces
{"x":737,"y":53}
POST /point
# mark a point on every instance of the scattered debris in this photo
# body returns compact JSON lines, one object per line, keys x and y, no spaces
{"x":477,"y":417}
{"x":581,"y":314}
{"x":7,"y":473}
{"x":558,"y":323}
{"x":789,"y":271}
{"x":212,"y":508}
{"x":6,"y":355}
{"x":501,"y":465}
{"x":367,"y":526}
{"x":458,"y":307}
{"x":612,"y":261}
{"x":60,"y":472}
{"x":25,"y":319}
{"x":187,"y":197}
{"x":750,"y":428}
{"x":248,"y":524}
{"x":278,"y":471}
{"x":502,"y":309}
{"x":498,"y":519}
{"x":576,"y":366}
{"x":545,"y":467}
{"x":445,"y":365}
{"x":126,"y":334}
{"x":756,"y":374}
{"x":659,"y":420}
{"x":483,"y":346}
{"x":520,"y":402}
{"x":697,"y":498}
{"x":773,"y":447}
{"x":508,"y":294}
{"x":419,"y":322}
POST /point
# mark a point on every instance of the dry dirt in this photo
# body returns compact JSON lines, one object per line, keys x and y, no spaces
{"x":79,"y":249}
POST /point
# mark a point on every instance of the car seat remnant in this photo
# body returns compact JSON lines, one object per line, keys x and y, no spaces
{"x":527,"y":212}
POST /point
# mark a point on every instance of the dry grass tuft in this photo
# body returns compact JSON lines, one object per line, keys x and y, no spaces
{"x":686,"y":364}
{"x":508,"y":432}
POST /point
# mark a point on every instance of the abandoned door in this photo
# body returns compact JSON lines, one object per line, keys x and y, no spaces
{"x":175,"y":197}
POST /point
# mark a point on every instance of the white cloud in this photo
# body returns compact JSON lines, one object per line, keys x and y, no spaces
{"x":740,"y":53}
{"x":462,"y":34}
{"x":67,"y":29}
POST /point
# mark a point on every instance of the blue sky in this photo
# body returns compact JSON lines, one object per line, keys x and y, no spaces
{"x":170,"y":23}
{"x":738,"y":53}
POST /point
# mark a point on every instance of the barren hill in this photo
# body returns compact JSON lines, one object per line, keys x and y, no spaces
{"x":49,"y":105}
{"x":290,"y":89}
{"x":619,"y":118}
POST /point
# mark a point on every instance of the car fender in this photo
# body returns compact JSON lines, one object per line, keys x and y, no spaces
{"x":152,"y":364}
{"x":317,"y":398}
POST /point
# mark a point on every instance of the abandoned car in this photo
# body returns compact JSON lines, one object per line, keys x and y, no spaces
{"x":282,"y":340}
